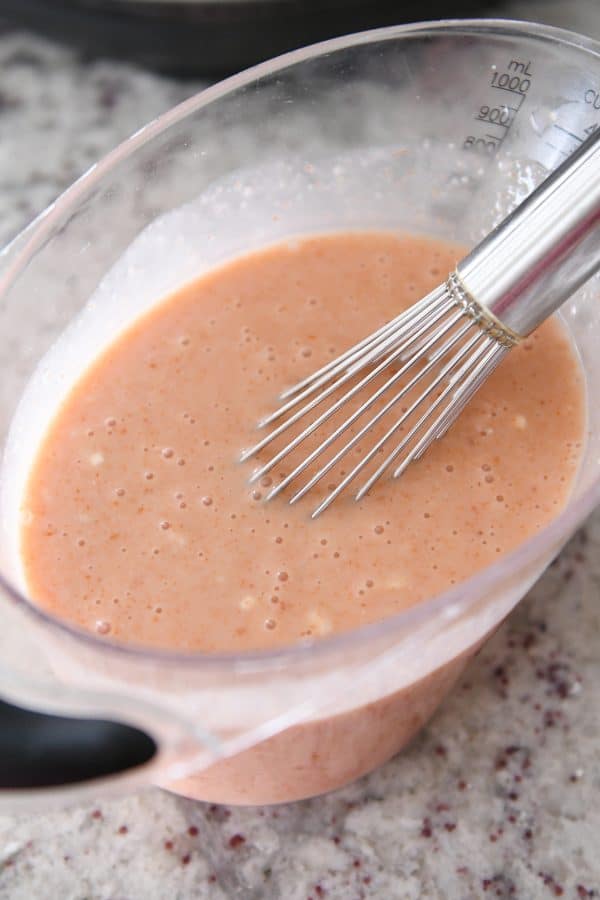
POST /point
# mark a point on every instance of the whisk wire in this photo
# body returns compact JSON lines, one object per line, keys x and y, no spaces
{"x":434,"y":359}
{"x":426,"y":438}
{"x":330,"y":411}
{"x":452,"y":352}
{"x":431,"y":388}
{"x":361,"y":346}
{"x":351,"y":363}
{"x":462,"y":397}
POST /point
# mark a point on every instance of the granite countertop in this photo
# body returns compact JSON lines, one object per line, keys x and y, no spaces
{"x":498,"y":797}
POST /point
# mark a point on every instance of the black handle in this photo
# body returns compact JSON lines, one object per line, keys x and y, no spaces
{"x":39,"y":750}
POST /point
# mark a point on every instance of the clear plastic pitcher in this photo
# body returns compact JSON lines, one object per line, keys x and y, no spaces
{"x":435,"y":128}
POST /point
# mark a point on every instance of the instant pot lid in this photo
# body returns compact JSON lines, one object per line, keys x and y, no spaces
{"x":215,"y":37}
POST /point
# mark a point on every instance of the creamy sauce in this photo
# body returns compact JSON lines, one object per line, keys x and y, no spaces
{"x":139,"y":522}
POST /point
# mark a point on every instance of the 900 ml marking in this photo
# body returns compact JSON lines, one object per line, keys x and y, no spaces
{"x":515,"y":80}
{"x":495,"y":115}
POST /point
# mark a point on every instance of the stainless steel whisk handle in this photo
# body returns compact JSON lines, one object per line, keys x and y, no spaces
{"x":544,"y":250}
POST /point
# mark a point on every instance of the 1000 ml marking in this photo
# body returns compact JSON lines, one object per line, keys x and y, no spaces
{"x":498,"y":118}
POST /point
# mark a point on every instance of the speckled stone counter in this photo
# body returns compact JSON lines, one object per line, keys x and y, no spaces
{"x":498,"y":797}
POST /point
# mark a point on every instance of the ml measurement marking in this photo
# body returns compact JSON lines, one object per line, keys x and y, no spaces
{"x":498,"y":117}
{"x":563,"y":132}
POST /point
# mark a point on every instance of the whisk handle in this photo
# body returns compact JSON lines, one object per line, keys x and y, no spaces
{"x":545,"y":249}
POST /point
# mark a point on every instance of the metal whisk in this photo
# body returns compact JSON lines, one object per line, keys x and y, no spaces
{"x":432,"y":358}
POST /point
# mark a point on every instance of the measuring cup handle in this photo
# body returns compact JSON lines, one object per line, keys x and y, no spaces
{"x":39,"y":750}
{"x":58,"y":740}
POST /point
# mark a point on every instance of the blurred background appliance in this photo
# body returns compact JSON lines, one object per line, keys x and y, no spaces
{"x":215,"y":37}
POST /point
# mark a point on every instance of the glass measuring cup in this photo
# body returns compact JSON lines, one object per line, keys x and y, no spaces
{"x":439,"y":128}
